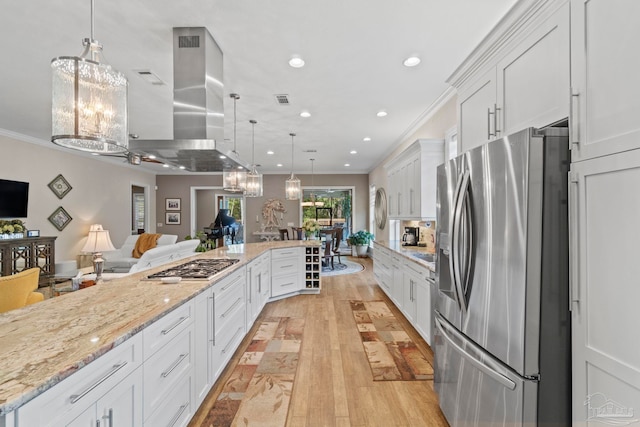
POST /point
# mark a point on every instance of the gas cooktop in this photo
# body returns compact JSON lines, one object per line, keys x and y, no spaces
{"x":199,"y":269}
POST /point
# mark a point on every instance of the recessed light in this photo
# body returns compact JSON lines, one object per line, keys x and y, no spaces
{"x":222,"y":156}
{"x":366,"y":139}
{"x":347,"y":164}
{"x":240,"y":167}
{"x":95,"y":154}
{"x":353,"y":152}
{"x":381,"y":113}
{"x":182,"y":167}
{"x":270,"y":152}
{"x":165,"y":165}
{"x":279,"y":165}
{"x":151,"y":156}
{"x":305,"y":114}
{"x":296,"y":62}
{"x":411,"y":61}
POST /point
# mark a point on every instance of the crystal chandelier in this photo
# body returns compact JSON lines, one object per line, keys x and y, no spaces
{"x":234,"y":180}
{"x":292,"y":185}
{"x":89,"y":102}
{"x":254,"y":179}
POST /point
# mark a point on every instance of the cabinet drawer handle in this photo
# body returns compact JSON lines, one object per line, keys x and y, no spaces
{"x":176,"y":417}
{"x":75,"y":397}
{"x":213,"y":319}
{"x":286,"y":266}
{"x":175,"y":325}
{"x":231,"y":308}
{"x":287,"y":284}
{"x":175,"y":364}
{"x":233,"y":282}
{"x":226,"y":347}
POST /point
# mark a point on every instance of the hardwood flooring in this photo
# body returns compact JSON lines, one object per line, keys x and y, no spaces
{"x":334,"y":385}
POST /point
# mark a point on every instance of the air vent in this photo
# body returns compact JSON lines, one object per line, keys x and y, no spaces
{"x":188,"y":41}
{"x":150,"y":77}
{"x":310,"y":151}
{"x":282,"y":99}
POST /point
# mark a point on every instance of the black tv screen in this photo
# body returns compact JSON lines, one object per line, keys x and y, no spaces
{"x":14,"y":198}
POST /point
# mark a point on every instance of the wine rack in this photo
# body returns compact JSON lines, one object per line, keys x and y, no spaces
{"x":313,"y":267}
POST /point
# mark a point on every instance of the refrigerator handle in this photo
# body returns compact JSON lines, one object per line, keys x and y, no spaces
{"x":446,"y":330}
{"x":453,"y":239}
{"x":455,"y":242}
{"x":467,"y":238}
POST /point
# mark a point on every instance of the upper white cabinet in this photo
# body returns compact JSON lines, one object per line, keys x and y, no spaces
{"x":604,"y":68}
{"x":411,"y":179}
{"x":525,"y":83}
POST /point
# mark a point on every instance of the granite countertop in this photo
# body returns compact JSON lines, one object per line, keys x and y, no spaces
{"x":46,"y":342}
{"x":416,"y":254}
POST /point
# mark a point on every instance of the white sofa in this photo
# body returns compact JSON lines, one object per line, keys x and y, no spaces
{"x":121,"y":260}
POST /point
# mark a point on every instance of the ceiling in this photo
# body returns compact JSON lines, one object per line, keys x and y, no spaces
{"x":353,"y":52}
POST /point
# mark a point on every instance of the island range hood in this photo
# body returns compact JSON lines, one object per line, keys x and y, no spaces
{"x":198,"y":108}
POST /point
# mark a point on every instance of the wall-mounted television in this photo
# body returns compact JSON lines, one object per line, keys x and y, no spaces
{"x":14,"y":198}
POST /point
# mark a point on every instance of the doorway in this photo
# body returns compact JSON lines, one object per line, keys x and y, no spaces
{"x":332,"y":205}
{"x":139,"y":209}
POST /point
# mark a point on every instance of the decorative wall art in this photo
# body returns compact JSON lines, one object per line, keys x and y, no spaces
{"x":172,"y":204}
{"x":172,"y":218}
{"x":60,"y":186}
{"x":60,"y":218}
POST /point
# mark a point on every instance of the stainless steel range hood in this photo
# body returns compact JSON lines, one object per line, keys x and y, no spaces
{"x":198,"y":108}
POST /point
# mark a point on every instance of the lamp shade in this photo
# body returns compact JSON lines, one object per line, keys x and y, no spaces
{"x":98,"y":240}
{"x":292,"y":188}
{"x":254,"y":184}
{"x":234,"y":181}
{"x":89,"y":106}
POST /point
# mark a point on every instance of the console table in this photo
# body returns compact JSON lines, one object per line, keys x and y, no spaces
{"x":17,"y":255}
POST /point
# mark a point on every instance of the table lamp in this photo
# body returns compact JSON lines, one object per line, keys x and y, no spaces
{"x":98,"y":241}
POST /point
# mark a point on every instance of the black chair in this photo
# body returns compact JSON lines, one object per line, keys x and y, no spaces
{"x":337,"y":241}
{"x":297,"y":233}
{"x":284,"y":233}
{"x":328,"y":254}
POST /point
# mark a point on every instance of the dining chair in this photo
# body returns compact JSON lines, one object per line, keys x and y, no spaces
{"x":284,"y":233}
{"x":337,"y":241}
{"x":328,"y":251}
{"x":297,"y":233}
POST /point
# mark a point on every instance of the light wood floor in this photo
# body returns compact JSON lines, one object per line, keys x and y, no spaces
{"x":334,"y":386}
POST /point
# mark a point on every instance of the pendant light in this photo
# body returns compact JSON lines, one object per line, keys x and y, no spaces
{"x":234,"y":180}
{"x":89,"y":102}
{"x":254,"y":179}
{"x":313,"y":202}
{"x":292,"y":185}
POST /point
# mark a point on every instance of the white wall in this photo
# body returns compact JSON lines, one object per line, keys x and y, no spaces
{"x":101,"y":192}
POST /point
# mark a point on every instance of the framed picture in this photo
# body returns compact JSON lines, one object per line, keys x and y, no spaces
{"x":172,"y":204}
{"x":60,"y":218}
{"x":172,"y":218}
{"x":60,"y":186}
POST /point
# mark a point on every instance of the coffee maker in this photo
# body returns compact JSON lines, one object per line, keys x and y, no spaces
{"x":411,"y":236}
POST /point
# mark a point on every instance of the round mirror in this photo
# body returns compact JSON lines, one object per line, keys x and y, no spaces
{"x":381,"y":208}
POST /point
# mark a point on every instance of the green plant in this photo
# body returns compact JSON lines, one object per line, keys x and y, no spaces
{"x":362,"y":237}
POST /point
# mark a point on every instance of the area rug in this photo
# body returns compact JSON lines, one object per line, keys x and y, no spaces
{"x":392,"y":355}
{"x":345,"y":267}
{"x":259,"y":389}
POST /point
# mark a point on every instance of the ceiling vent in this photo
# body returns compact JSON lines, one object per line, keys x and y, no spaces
{"x":310,"y":151}
{"x":150,"y":77}
{"x":282,"y":99}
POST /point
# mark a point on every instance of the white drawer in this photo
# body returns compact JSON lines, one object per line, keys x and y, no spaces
{"x":176,"y":409}
{"x":227,"y":341}
{"x":285,"y":284}
{"x":284,"y":253}
{"x":156,"y":335}
{"x":165,"y":369}
{"x":231,"y":283}
{"x":82,"y":389}
{"x":283,"y":266}
{"x":227,"y":306}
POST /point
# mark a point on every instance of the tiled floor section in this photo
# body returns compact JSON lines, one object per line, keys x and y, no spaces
{"x":391,"y":353}
{"x":259,"y":389}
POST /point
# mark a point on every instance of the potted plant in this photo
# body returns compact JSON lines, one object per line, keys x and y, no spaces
{"x":360,"y":239}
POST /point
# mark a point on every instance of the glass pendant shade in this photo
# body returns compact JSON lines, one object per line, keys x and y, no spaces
{"x":234,"y":181}
{"x":254,"y":179}
{"x":254,"y":184}
{"x":292,"y":188}
{"x":89,"y":105}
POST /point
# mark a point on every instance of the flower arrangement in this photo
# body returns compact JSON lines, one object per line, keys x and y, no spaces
{"x":310,"y":226}
{"x":13,"y":228}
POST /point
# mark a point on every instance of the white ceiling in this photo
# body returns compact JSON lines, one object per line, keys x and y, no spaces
{"x":353,"y":51}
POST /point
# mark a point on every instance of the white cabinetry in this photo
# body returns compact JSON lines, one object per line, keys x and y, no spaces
{"x":286,"y":271}
{"x":605,"y":231}
{"x":411,"y":179}
{"x":109,"y":388}
{"x":526,"y":84}
{"x":604,"y":68}
{"x":382,"y":268}
{"x":423,"y":322}
{"x":203,"y":378}
{"x":258,"y":290}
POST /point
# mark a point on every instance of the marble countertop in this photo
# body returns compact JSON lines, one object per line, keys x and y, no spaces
{"x":44,"y":343}
{"x":416,"y":254}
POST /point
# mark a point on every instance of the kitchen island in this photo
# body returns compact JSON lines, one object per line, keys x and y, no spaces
{"x":46,"y":343}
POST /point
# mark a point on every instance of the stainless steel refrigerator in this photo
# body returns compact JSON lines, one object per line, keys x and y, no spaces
{"x":502,"y":326}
